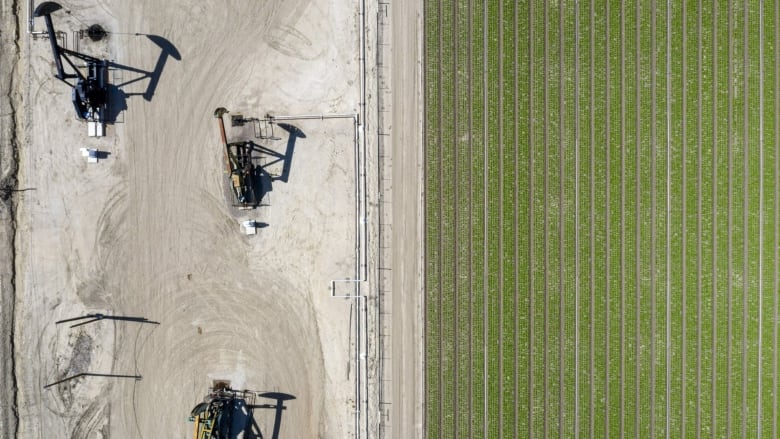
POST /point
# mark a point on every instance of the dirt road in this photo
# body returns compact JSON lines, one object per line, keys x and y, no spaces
{"x":407,"y":219}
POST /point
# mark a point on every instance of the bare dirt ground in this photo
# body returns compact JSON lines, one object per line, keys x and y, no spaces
{"x":8,"y":97}
{"x":148,"y":232}
{"x":407,"y":177}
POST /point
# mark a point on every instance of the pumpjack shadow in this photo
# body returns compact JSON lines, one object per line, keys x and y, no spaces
{"x":264,"y":177}
{"x":118,"y":97}
{"x":230,"y":414}
{"x":94,"y":98}
{"x":250,"y":181}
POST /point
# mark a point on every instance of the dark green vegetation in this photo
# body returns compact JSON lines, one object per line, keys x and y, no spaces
{"x":602,"y":212}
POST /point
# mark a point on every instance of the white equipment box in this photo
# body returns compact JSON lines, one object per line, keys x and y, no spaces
{"x":91,"y":154}
{"x":95,"y":129}
{"x":249,"y":227}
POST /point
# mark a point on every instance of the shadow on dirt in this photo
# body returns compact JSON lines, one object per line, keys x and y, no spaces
{"x":266,"y":160}
{"x":117,"y":96}
{"x":264,"y":177}
{"x":243,"y":423}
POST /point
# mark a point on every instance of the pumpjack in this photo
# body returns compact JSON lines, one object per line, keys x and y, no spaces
{"x":239,"y":164}
{"x":90,"y":91}
{"x":213,"y":417}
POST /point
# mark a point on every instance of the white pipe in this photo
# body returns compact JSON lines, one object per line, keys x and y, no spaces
{"x":272,"y":118}
{"x":360,"y":127}
{"x":361,"y":344}
{"x":31,"y":21}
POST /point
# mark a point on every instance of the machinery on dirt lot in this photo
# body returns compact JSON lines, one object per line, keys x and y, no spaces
{"x":214,"y":417}
{"x":90,"y":91}
{"x":240,"y":168}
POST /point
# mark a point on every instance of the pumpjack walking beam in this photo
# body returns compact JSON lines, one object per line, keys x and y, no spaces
{"x":45,"y":10}
{"x":89,"y":92}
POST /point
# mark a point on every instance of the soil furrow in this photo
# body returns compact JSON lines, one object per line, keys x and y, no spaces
{"x":714,"y":229}
{"x":668,"y":215}
{"x":684,"y":227}
{"x":440,"y":192}
{"x":591,"y":227}
{"x":546,"y":192}
{"x":637,"y":217}
{"x":776,"y":268}
{"x":730,"y":220}
{"x":576,"y":220}
{"x":759,"y":407}
{"x":561,"y":253}
{"x":622,"y":218}
{"x":698,"y":219}
{"x":456,"y":199}
{"x":653,"y":202}
{"x":470,"y":274}
{"x":745,"y":206}
{"x":532,"y":219}
{"x":608,"y":234}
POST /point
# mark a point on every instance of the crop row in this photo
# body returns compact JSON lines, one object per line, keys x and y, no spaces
{"x":607,"y":221}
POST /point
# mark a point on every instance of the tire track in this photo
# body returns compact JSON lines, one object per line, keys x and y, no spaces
{"x":92,"y":421}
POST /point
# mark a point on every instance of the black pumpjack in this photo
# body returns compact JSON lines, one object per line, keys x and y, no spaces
{"x":90,"y":91}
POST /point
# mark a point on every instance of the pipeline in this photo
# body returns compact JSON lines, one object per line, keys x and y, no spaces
{"x":31,"y":21}
{"x":271,"y":118}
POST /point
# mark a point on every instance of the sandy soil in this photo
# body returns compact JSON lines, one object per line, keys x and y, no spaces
{"x":148,"y":232}
{"x":407,"y":176}
{"x":8,"y":99}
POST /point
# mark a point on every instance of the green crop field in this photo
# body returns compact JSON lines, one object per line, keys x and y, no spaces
{"x":602,"y":218}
